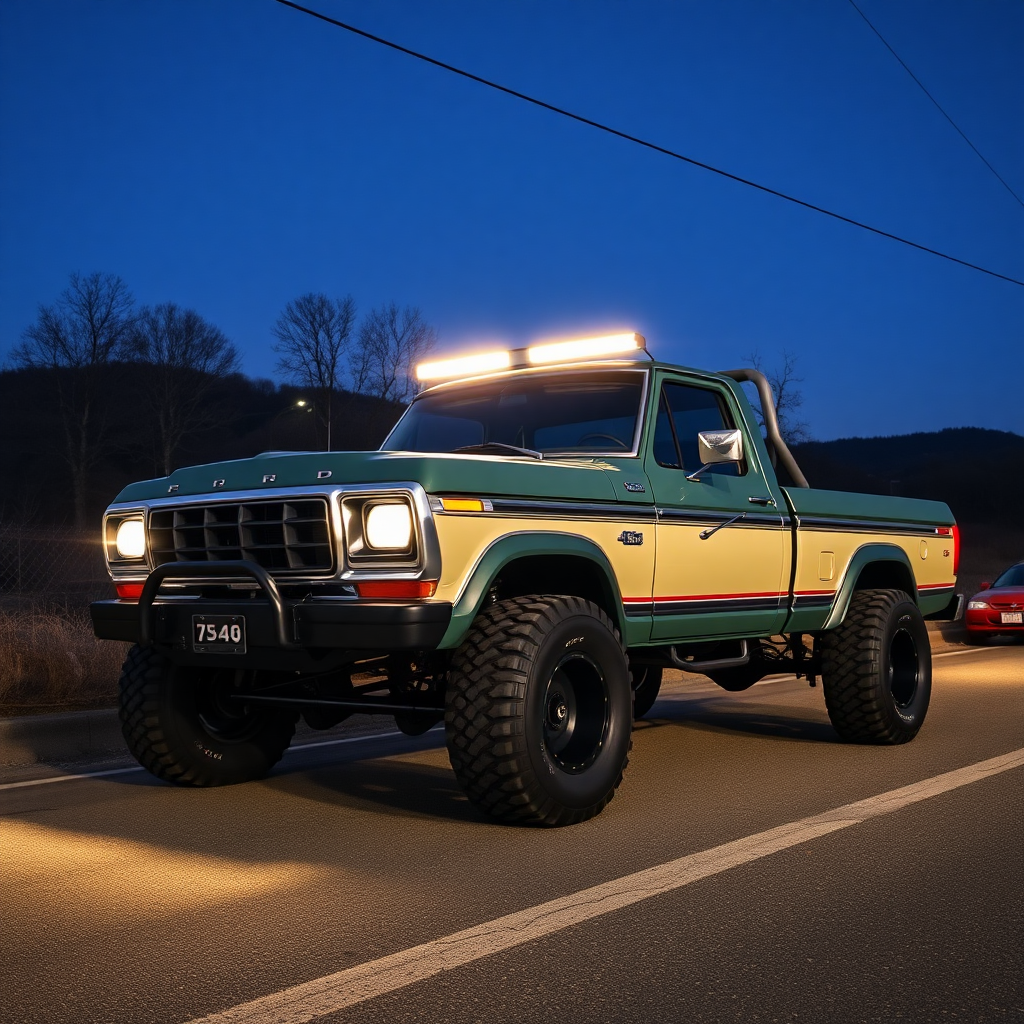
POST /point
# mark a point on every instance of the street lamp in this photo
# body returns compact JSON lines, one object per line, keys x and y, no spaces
{"x":301,"y":403}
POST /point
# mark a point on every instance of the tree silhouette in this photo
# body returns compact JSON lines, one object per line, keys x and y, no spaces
{"x":788,"y":397}
{"x":187,"y":357}
{"x":313,"y":335}
{"x":391,"y":342}
{"x":88,"y":327}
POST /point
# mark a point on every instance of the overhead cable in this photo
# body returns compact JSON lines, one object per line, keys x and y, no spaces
{"x":936,"y":102}
{"x":642,"y":142}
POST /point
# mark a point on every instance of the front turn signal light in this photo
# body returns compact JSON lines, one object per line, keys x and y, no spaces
{"x":391,"y":589}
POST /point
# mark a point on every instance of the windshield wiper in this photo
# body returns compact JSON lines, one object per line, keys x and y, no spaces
{"x":500,"y":447}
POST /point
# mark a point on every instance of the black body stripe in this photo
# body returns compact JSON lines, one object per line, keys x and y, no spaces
{"x":865,"y":526}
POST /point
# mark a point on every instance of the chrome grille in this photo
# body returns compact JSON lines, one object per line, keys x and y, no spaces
{"x":282,"y":536}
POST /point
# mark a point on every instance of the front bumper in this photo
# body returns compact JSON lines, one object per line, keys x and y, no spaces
{"x":988,"y":621}
{"x":320,"y":625}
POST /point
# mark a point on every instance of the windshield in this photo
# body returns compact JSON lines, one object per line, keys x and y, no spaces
{"x":1013,"y":577}
{"x":586,"y":413}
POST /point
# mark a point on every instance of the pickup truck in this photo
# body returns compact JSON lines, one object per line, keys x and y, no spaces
{"x":535,"y":542}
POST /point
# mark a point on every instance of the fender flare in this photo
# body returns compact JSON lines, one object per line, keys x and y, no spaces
{"x":864,"y":556}
{"x":508,"y":549}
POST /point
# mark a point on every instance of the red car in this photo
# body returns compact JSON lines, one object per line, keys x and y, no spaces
{"x":998,"y":607}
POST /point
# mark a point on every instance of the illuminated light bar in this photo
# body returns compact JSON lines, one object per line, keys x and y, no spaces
{"x":464,"y":366}
{"x":129,"y":591}
{"x":462,"y":505}
{"x":585,"y":348}
{"x":390,"y":589}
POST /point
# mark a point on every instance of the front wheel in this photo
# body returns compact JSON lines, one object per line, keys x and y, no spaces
{"x":185,"y":726}
{"x":646,"y":687}
{"x":876,"y":669}
{"x":539,"y":710}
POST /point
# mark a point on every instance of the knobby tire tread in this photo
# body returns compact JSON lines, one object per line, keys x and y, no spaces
{"x":851,"y":659}
{"x":484,"y":714}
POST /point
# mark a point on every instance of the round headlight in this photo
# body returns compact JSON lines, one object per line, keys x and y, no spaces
{"x":389,"y":527}
{"x":131,"y":539}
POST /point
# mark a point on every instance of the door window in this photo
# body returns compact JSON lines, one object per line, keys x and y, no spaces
{"x":683,"y":412}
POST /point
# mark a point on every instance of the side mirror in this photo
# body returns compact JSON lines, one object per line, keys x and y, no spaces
{"x":716,"y":447}
{"x":985,"y":585}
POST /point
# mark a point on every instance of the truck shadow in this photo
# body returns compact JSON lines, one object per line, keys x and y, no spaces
{"x":403,"y":787}
{"x":713,"y":714}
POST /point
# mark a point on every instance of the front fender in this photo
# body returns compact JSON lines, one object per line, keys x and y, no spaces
{"x":523,"y":545}
{"x":864,"y":556}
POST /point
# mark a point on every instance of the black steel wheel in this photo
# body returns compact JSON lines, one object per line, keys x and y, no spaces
{"x":876,"y":669}
{"x":539,"y":711}
{"x":185,"y":726}
{"x":646,"y":687}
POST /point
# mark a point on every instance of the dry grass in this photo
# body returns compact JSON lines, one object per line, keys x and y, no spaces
{"x":50,"y":661}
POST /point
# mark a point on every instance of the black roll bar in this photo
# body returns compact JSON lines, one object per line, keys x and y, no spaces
{"x":771,"y":421}
{"x":200,"y":572}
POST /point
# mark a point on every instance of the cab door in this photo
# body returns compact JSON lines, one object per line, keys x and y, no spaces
{"x":732,"y":581}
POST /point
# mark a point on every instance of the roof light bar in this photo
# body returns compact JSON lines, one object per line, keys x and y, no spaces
{"x":464,"y":366}
{"x":585,"y":348}
{"x":549,"y":352}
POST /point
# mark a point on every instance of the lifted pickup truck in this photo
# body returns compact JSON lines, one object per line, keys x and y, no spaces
{"x":531,"y":547}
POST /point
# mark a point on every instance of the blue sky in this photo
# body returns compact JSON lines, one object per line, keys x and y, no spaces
{"x":230,"y":155}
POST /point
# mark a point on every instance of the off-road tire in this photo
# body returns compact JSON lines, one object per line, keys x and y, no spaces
{"x":503,"y":712}
{"x":166,"y":720}
{"x":876,"y":669}
{"x":646,"y":683}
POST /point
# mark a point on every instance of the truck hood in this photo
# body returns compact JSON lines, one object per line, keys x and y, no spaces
{"x":569,"y":479}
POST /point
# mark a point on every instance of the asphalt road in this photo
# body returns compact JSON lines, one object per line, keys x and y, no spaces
{"x":126,"y":900}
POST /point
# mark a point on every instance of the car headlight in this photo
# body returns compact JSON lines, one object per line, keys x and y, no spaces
{"x":380,"y":530}
{"x":977,"y":606}
{"x":130,"y":539}
{"x":388,"y":527}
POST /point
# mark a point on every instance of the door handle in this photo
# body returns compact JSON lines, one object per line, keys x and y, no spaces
{"x":760,"y":500}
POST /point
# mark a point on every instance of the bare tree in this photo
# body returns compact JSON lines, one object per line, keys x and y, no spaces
{"x":187,"y":357}
{"x":788,"y":397}
{"x":87,"y":328}
{"x":391,"y":342}
{"x":312,"y":338}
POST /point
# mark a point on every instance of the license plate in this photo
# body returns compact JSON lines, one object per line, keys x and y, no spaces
{"x":1012,"y":618}
{"x":218,"y":634}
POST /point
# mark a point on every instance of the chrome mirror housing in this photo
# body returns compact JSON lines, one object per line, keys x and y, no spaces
{"x":716,"y":447}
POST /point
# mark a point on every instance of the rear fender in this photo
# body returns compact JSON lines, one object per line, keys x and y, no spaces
{"x":880,"y":566}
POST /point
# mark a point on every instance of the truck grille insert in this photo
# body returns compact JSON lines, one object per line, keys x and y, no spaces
{"x":282,"y":536}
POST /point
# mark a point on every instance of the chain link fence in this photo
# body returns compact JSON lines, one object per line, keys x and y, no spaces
{"x":50,"y":568}
{"x":49,"y":658}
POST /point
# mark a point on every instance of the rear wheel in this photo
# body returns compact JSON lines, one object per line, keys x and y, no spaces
{"x":184,"y":725}
{"x":539,"y":710}
{"x":876,"y":669}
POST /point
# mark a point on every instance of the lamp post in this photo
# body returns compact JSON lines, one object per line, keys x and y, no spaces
{"x":311,"y":407}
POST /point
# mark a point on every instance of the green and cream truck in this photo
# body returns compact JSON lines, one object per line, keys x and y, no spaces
{"x":544,"y":531}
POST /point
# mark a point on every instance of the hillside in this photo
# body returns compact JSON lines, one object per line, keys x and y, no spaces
{"x":979,"y":473}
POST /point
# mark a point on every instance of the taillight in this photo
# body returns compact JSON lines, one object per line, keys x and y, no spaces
{"x":129,"y":591}
{"x":956,"y":550}
{"x":407,"y":589}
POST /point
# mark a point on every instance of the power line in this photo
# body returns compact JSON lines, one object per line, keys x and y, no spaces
{"x":936,"y":102}
{"x":642,"y":142}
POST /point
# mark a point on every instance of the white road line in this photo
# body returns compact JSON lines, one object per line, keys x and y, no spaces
{"x":69,"y":778}
{"x":334,"y":992}
{"x":970,"y":650}
{"x":138,"y":768}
